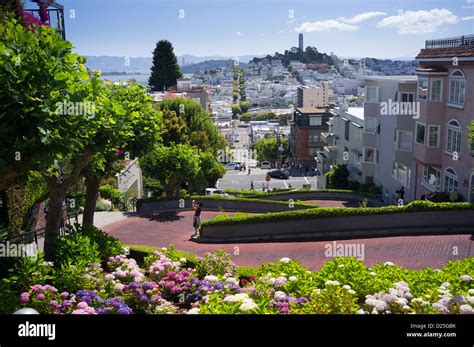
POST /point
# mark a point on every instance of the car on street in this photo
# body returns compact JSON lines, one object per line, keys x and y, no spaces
{"x":215,"y":191}
{"x":279,"y":173}
{"x":231,"y":166}
{"x":265,"y":165}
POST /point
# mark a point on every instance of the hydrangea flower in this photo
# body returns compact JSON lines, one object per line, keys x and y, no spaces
{"x":466,"y":278}
{"x":280,"y":281}
{"x":248,"y":305}
{"x":194,"y":310}
{"x":285,"y":260}
{"x":389,"y":263}
{"x":466,"y":309}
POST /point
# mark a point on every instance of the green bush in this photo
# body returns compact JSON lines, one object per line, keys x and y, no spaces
{"x":336,"y":212}
{"x":108,"y":246}
{"x":102,"y":207}
{"x":75,"y":248}
{"x":338,"y":177}
{"x":139,"y":253}
{"x":258,"y":201}
{"x":110,"y":193}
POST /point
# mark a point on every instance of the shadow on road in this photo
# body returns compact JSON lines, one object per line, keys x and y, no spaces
{"x":160,"y":217}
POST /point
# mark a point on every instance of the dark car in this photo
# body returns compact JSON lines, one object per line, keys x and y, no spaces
{"x":279,"y":173}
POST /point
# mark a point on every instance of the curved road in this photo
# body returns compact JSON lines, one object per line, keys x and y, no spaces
{"x":413,"y":252}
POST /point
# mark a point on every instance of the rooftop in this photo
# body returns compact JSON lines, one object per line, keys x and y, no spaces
{"x":461,"y":47}
{"x":398,"y":78}
{"x":312,"y":109}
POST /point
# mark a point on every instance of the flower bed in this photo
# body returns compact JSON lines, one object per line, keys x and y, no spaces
{"x":164,"y":284}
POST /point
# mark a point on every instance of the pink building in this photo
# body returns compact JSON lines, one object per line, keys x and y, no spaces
{"x":443,"y":161}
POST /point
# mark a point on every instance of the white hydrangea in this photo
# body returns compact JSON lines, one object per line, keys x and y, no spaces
{"x":194,"y":311}
{"x":372,"y":274}
{"x":340,"y":266}
{"x":361,"y":311}
{"x":347,"y":287}
{"x":466,"y":278}
{"x":381,"y":306}
{"x":248,"y":305}
{"x":182,"y":260}
{"x":292,"y":279}
{"x":470,"y":291}
{"x":211,"y":279}
{"x":466,"y":309}
{"x":332,"y":283}
{"x":241,"y":297}
{"x":389,"y":263}
{"x":280,"y":281}
{"x":231,"y":281}
{"x":280,"y":296}
{"x":352,"y":292}
{"x":285,"y":260}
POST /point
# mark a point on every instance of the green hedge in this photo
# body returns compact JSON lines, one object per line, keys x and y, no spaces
{"x":259,"y":201}
{"x":252,"y":193}
{"x":334,"y":212}
{"x":139,"y":253}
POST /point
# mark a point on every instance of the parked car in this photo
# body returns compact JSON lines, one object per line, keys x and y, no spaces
{"x":231,"y":166}
{"x":279,"y":173}
{"x":215,"y":191}
{"x":265,"y":165}
{"x":238,"y":166}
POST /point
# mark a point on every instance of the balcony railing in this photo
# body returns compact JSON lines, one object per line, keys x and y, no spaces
{"x":451,"y":42}
{"x":55,"y":14}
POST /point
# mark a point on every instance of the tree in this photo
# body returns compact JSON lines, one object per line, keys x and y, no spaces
{"x":200,"y":128}
{"x":174,"y":128}
{"x":171,"y":166}
{"x":165,"y":70}
{"x":245,"y":106}
{"x":235,"y":110}
{"x":211,"y":170}
{"x":268,"y":148}
{"x":338,"y":177}
{"x":246,"y":117}
{"x":132,"y":129}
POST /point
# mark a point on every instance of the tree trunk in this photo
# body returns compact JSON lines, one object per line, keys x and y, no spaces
{"x":57,"y":194}
{"x":92,"y":193}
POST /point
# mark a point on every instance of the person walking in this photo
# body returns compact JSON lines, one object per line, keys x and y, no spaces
{"x":197,"y":223}
{"x":263,"y":186}
{"x":401,"y":194}
{"x":251,"y":185}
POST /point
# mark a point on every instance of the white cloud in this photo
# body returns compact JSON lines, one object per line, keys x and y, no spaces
{"x":325,"y":25}
{"x":419,"y":22}
{"x":468,"y":18}
{"x":339,"y":24}
{"x":362,"y":17}
{"x":238,"y":33}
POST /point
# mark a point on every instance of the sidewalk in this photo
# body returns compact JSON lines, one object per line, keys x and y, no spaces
{"x":102,"y":219}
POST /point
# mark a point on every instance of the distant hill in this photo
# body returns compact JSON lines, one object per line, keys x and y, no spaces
{"x":115,"y":63}
{"x":209,"y":65}
{"x":309,"y":56}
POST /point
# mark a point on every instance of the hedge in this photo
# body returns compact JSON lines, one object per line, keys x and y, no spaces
{"x":139,"y":252}
{"x":259,"y":201}
{"x":335,"y":212}
{"x":250,"y":194}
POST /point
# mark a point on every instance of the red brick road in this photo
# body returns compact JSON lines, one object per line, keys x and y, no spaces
{"x":176,"y":228}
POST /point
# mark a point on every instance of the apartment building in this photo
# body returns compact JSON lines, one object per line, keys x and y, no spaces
{"x":313,"y":96}
{"x":343,"y":144}
{"x":305,"y":135}
{"x":443,"y":160}
{"x":390,"y":113}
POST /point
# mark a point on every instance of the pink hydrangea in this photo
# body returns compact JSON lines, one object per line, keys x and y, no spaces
{"x":40,"y":296}
{"x":24,"y":298}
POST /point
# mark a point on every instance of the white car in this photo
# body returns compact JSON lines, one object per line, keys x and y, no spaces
{"x":265,"y":165}
{"x":231,"y":166}
{"x":215,"y":191}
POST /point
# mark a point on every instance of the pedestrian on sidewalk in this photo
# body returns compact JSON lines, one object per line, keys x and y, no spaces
{"x":251,"y":185}
{"x":401,"y":194}
{"x":197,"y":223}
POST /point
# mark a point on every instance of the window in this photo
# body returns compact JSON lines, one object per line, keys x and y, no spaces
{"x":433,"y":135}
{"x":435,"y":92}
{"x":314,"y":138}
{"x":420,"y":133}
{"x":358,"y":134}
{"x":372,"y":94}
{"x":401,"y":173}
{"x":451,"y":181}
{"x":346,"y":130}
{"x":453,"y":140}
{"x":422,"y":88}
{"x":431,"y":177}
{"x":404,"y":140}
{"x":315,"y":121}
{"x":457,"y":88}
{"x":369,"y":155}
{"x":371,"y":125}
{"x":406,"y":97}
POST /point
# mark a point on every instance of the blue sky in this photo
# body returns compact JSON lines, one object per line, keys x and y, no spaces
{"x":375,"y":28}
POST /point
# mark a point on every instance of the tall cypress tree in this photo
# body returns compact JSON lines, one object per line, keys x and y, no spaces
{"x":165,"y":70}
